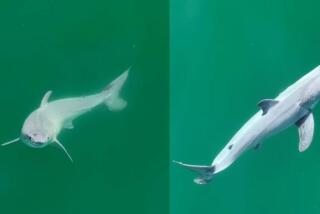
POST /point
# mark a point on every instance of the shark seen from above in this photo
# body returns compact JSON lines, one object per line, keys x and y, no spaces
{"x":42,"y":126}
{"x":291,"y":107}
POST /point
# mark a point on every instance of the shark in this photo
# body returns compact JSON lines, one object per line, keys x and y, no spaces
{"x":292,"y":107}
{"x":43,"y":126}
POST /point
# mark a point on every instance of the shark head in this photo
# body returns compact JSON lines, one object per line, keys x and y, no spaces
{"x":36,"y":139}
{"x":36,"y":131}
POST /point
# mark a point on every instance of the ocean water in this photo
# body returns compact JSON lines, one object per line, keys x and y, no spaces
{"x":225,"y":58}
{"x":76,"y":48}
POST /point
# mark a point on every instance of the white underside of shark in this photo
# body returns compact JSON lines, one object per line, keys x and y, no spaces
{"x":292,"y":107}
{"x":43,"y":125}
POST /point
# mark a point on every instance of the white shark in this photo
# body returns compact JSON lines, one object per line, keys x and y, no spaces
{"x":43,"y":125}
{"x":292,"y":107}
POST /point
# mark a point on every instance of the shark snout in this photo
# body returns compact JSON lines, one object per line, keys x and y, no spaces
{"x":35,"y":140}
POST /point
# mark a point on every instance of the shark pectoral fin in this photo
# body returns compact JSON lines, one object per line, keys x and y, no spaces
{"x":45,"y":98}
{"x":10,"y":142}
{"x":306,"y":129}
{"x":266,"y":104}
{"x":64,"y":149}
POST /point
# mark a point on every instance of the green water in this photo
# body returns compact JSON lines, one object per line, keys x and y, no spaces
{"x":226,"y":57}
{"x":76,"y":48}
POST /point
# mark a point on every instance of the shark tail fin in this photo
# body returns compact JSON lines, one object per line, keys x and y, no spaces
{"x":205,"y":172}
{"x":112,"y":92}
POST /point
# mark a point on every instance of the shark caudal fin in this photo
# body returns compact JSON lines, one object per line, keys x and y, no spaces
{"x":113,"y":101}
{"x":205,"y":172}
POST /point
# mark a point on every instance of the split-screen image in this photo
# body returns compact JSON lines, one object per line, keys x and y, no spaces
{"x":158,"y":107}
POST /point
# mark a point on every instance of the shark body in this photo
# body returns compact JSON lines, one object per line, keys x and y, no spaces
{"x":291,"y":107}
{"x":42,"y":126}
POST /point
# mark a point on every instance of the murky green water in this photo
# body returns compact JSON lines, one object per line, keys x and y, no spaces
{"x":226,"y":57}
{"x":76,"y":48}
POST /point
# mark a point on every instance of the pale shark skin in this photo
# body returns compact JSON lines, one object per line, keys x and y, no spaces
{"x":292,"y":107}
{"x":42,"y":126}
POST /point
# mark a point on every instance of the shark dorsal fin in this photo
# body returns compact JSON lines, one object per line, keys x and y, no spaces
{"x":306,"y":129}
{"x":266,"y":104}
{"x":45,"y":98}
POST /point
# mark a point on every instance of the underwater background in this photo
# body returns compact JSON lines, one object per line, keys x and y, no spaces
{"x":76,"y":48}
{"x":225,"y":58}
